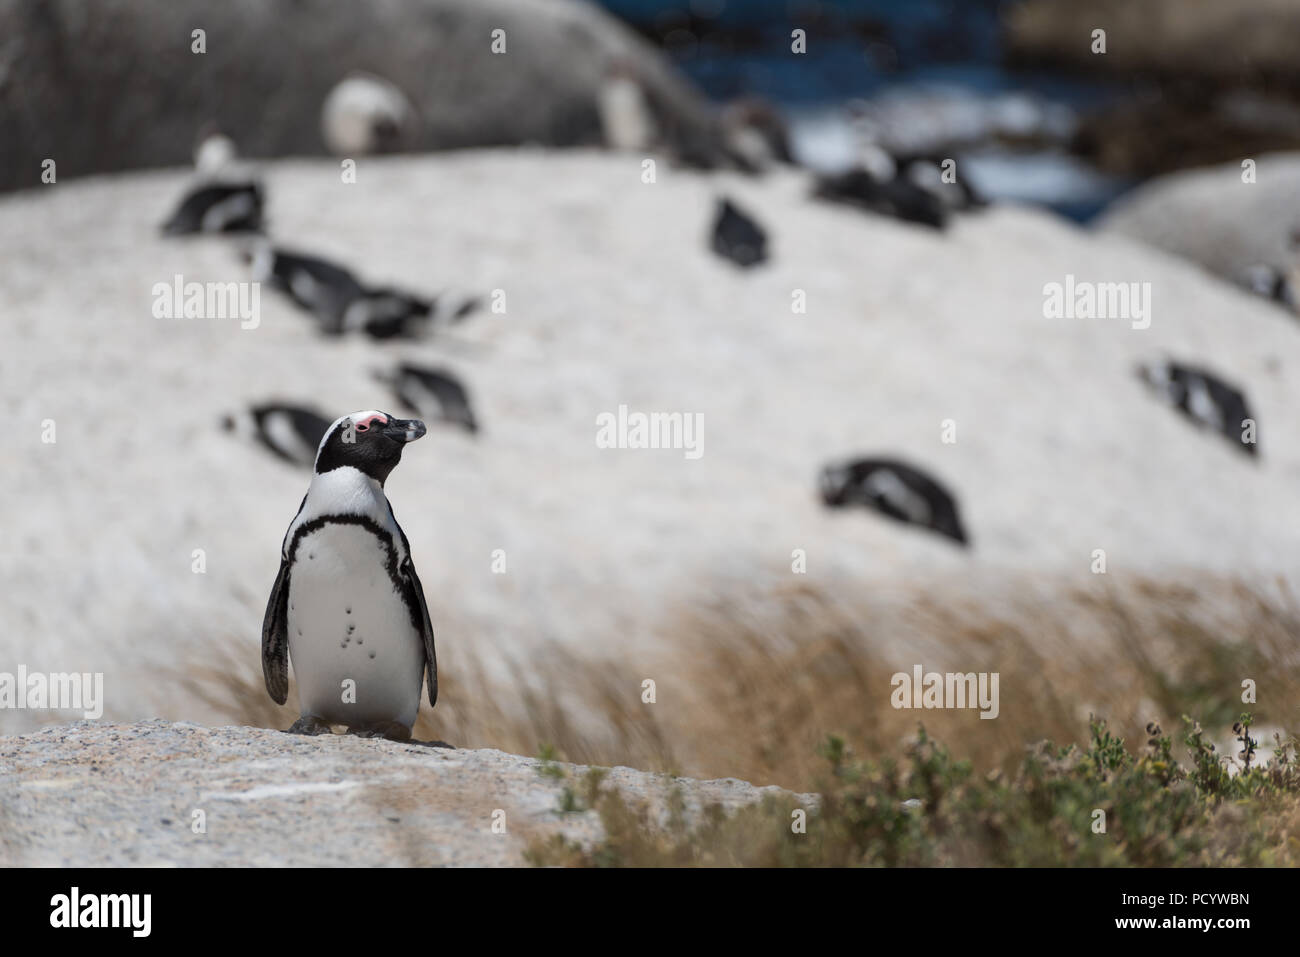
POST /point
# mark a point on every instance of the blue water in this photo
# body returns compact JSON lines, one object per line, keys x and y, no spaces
{"x":861,"y":49}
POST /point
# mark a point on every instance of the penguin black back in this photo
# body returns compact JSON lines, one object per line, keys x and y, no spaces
{"x":323,"y":288}
{"x":737,"y":237}
{"x":433,"y":393}
{"x":1206,"y":400}
{"x":290,"y":432}
{"x":897,"y":197}
{"x":896,"y":490}
{"x":218,"y":208}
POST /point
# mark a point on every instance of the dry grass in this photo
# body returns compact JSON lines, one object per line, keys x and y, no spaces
{"x":749,"y":688}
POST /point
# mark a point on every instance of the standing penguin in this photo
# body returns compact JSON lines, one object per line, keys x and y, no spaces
{"x":366,"y":114}
{"x":347,"y":606}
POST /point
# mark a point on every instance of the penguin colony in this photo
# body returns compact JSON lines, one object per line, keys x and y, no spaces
{"x":347,"y":604}
{"x":227,"y":198}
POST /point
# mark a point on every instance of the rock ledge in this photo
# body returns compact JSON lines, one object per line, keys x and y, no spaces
{"x":94,"y":794}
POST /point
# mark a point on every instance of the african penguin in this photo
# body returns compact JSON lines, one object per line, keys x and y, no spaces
{"x":433,"y":393}
{"x":893,"y":489}
{"x":1205,"y":399}
{"x":737,"y":237}
{"x":1271,"y":283}
{"x":225,"y":198}
{"x":215,"y":153}
{"x":291,"y":432}
{"x":627,"y":121}
{"x":366,"y":114}
{"x":342,"y":304}
{"x":755,"y":134}
{"x":387,"y":314}
{"x":347,"y":608}
{"x":222,"y":207}
{"x":321,"y":287}
{"x":897,"y":196}
{"x":927,"y":173}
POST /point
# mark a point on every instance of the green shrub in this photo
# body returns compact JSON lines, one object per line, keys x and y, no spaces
{"x":925,"y":809}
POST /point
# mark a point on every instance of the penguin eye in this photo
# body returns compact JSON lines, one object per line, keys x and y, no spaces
{"x":363,"y":427}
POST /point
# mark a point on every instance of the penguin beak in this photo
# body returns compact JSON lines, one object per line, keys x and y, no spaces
{"x":404,"y":430}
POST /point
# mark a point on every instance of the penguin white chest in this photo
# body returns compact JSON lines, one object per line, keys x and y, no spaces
{"x":357,"y":656}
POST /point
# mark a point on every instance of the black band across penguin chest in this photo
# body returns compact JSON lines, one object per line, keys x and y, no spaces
{"x":354,"y":637}
{"x":385,"y":539}
{"x":349,"y":553}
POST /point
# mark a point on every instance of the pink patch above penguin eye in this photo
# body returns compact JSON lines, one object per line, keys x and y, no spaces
{"x":364,"y":424}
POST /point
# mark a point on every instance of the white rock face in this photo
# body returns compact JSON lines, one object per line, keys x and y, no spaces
{"x":612,"y":298}
{"x":268,"y":799}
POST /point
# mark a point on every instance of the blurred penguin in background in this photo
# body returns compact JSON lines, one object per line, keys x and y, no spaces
{"x":366,"y":114}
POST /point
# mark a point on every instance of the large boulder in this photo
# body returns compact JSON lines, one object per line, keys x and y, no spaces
{"x":103,"y":85}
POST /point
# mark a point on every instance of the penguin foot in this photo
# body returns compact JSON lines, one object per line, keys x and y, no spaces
{"x":310,"y":724}
{"x":391,"y":730}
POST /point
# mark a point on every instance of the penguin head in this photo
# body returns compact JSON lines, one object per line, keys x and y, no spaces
{"x":833,"y":484}
{"x":370,"y":442}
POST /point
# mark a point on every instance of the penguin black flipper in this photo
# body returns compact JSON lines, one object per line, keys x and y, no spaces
{"x":414,"y":593}
{"x":275,"y":638}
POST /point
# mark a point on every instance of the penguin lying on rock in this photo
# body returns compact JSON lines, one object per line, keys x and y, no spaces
{"x":347,"y":608}
{"x":927,"y":172}
{"x":896,"y":196}
{"x":341,"y":303}
{"x":290,"y":432}
{"x":1204,"y":398}
{"x":225,"y":198}
{"x":432,"y":393}
{"x":896,"y":490}
{"x":1271,"y":283}
{"x":218,"y":208}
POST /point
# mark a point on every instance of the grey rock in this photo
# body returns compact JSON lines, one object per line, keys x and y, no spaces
{"x":108,"y":795}
{"x":104,"y":85}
